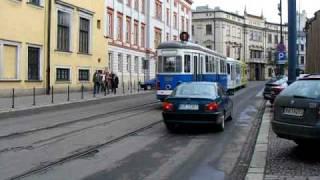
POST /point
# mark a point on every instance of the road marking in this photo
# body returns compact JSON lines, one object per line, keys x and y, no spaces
{"x":260,"y":93}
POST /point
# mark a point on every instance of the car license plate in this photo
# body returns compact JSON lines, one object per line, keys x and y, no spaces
{"x":192,"y":107}
{"x":293,"y":112}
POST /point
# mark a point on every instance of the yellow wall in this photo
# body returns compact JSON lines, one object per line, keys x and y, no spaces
{"x":98,"y":54}
{"x":23,"y":24}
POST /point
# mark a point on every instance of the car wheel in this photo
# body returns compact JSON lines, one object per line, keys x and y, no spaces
{"x":220,"y":127}
{"x":304,"y":143}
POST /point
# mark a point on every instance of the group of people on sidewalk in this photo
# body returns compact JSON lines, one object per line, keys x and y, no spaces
{"x":104,"y":81}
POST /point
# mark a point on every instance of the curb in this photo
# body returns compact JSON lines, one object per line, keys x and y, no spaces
{"x":259,"y":158}
{"x":63,"y":105}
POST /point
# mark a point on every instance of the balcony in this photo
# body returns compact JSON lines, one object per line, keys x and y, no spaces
{"x":257,"y":60}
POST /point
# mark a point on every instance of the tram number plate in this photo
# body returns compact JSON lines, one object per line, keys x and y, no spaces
{"x":293,"y":112}
{"x":192,"y":107}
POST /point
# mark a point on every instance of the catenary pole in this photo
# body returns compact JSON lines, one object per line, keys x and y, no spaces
{"x":292,"y":25}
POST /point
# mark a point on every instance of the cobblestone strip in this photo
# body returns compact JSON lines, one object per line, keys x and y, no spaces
{"x":259,"y":158}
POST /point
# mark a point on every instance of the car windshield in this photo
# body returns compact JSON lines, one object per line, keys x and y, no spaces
{"x":196,"y":90}
{"x":304,"y":88}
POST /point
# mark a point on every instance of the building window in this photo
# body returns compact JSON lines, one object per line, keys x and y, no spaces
{"x":168,"y":17}
{"x":33,"y":63}
{"x":157,"y":37}
{"x":119,"y":28}
{"x":187,"y":25}
{"x":276,"y":39}
{"x":35,"y":2}
{"x":228,"y":51}
{"x":175,"y":21}
{"x":110,"y":24}
{"x":135,"y":33}
{"x":175,"y":38}
{"x":302,"y":60}
{"x":128,"y":30}
{"x":63,"y":31}
{"x":228,"y":31}
{"x":136,"y":64}
{"x":269,"y":38}
{"x":209,"y":46}
{"x":142,"y":6}
{"x":208,"y":29}
{"x":182,"y":23}
{"x":143,"y":35}
{"x":110,"y":62}
{"x":84,"y":74}
{"x":302,"y":47}
{"x":120,"y":63}
{"x":128,"y":3}
{"x":9,"y":61}
{"x":136,"y":5}
{"x":192,"y":30}
{"x":128,"y":63}
{"x":158,"y":10}
{"x":84,"y":35}
{"x":255,"y":54}
{"x":63,"y":74}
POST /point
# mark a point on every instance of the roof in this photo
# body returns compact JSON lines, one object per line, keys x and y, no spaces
{"x":311,"y":77}
{"x":186,"y":45}
{"x":201,"y":83}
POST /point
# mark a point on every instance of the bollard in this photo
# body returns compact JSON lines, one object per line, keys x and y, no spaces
{"x":134,"y":85}
{"x":138,"y":86}
{"x":82,"y":88}
{"x":13,"y":98}
{"x":34,"y":96}
{"x":52,"y":97}
{"x":68,"y":92}
{"x":130,"y":87}
{"x":123,"y":87}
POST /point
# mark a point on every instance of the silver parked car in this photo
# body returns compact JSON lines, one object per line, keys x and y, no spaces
{"x":297,"y":111}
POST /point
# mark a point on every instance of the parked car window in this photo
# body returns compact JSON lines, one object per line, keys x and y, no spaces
{"x":198,"y":90}
{"x":304,"y":88}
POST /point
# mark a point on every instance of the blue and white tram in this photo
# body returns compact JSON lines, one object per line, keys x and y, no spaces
{"x":185,"y":62}
{"x":233,"y":74}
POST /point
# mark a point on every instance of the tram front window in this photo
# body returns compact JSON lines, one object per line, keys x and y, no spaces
{"x":170,"y":64}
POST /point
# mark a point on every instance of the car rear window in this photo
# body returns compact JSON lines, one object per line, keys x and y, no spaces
{"x":304,"y":88}
{"x":196,"y":90}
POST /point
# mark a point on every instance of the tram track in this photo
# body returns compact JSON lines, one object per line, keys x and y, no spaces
{"x":83,"y":153}
{"x":88,"y":118}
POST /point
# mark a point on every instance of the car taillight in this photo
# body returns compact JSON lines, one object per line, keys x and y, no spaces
{"x":212,"y":106}
{"x":158,"y":85}
{"x":166,"y":106}
{"x":277,"y":89}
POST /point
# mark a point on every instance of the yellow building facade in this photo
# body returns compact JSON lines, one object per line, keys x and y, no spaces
{"x":45,"y":43}
{"x":22,"y":45}
{"x":78,"y":45}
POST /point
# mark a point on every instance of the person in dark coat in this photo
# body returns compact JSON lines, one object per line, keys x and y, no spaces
{"x":96,"y":83}
{"x":115,"y":83}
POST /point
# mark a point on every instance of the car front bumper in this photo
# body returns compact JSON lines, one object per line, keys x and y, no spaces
{"x":294,"y":131}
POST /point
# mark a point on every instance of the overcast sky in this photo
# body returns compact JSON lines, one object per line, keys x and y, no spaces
{"x":255,"y":7}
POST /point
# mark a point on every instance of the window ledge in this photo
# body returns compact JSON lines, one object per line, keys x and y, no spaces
{"x":62,"y":51}
{"x":35,"y":5}
{"x":10,"y":80}
{"x":87,"y":54}
{"x":84,"y":81}
{"x":33,"y":81}
{"x":62,"y":82}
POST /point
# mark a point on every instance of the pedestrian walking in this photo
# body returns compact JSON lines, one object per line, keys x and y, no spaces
{"x":108,"y":82}
{"x":115,"y":83}
{"x":96,"y":84}
{"x":103,"y":82}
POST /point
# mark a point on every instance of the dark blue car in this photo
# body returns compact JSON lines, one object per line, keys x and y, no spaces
{"x":197,"y":103}
{"x":149,"y":84}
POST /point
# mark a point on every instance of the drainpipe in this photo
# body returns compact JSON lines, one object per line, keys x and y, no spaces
{"x":214,"y":31}
{"x":48,"y":47}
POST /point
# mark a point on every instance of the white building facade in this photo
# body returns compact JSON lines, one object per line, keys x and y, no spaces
{"x":247,"y":37}
{"x":301,"y":40}
{"x":134,"y":30}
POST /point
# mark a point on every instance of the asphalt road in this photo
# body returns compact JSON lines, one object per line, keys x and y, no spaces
{"x":34,"y":141}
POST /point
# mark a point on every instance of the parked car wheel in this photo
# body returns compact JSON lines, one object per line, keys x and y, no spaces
{"x":220,"y":127}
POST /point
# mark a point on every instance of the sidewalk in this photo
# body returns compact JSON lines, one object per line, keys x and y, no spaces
{"x":27,"y":102}
{"x":280,"y":159}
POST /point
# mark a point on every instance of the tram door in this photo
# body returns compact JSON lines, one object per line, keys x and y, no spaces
{"x":197,"y":67}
